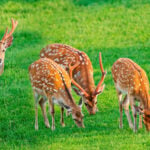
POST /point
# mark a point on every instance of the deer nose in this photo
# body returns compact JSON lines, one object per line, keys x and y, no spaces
{"x":92,"y":113}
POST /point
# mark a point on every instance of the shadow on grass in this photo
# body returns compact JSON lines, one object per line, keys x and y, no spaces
{"x":127,"y":3}
{"x":90,"y":2}
{"x":27,"y":38}
{"x":19,"y":1}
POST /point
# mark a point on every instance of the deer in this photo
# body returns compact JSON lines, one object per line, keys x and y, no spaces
{"x":130,"y":79}
{"x":50,"y":82}
{"x":82,"y":74}
{"x":6,"y":42}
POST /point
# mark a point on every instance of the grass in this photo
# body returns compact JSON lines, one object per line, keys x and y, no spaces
{"x":117,"y":28}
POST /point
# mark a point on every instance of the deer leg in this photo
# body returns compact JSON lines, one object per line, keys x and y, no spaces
{"x":140,"y":121}
{"x":140,"y":118}
{"x":120,"y":107}
{"x":52,"y":112}
{"x":135,"y":117}
{"x":126,"y":109}
{"x":134,"y":113}
{"x":43,"y":108}
{"x":36,"y":117}
{"x":62,"y":117}
{"x":53,"y":118}
{"x":36,"y":97}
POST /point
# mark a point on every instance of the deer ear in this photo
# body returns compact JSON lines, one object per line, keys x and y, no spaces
{"x":138,"y":109}
{"x":8,"y":42}
{"x":78,"y":92}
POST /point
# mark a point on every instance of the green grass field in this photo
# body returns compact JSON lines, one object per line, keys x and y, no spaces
{"x":117,"y":28}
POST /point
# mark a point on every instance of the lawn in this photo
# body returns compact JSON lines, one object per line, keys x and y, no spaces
{"x":117,"y":28}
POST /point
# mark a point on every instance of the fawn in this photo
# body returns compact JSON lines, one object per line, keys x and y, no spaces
{"x":5,"y":43}
{"x":131,"y":79}
{"x":82,"y":74}
{"x":50,"y":81}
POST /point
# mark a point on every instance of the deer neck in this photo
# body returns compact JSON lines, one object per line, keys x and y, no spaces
{"x":145,"y":98}
{"x":66,"y":100}
{"x":67,"y":96}
{"x":84,"y":77}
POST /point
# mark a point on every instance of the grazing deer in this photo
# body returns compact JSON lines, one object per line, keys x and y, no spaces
{"x":5,"y":43}
{"x":82,"y":74}
{"x":131,"y":79}
{"x":50,"y":81}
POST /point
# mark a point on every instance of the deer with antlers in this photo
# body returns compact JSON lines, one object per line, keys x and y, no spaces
{"x":131,"y":79}
{"x":5,"y":43}
{"x":82,"y":74}
{"x":50,"y":81}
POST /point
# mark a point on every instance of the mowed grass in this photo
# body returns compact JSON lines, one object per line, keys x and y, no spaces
{"x":117,"y":28}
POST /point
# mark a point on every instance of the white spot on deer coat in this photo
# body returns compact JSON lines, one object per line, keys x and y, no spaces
{"x":42,"y":54}
{"x":56,"y":59}
{"x":80,"y":58}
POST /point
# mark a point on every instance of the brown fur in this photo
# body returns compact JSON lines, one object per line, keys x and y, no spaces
{"x":132,"y":80}
{"x":6,"y":42}
{"x":83,"y":74}
{"x":50,"y":80}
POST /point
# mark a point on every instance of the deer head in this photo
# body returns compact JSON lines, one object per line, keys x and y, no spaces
{"x":5,"y":43}
{"x":90,"y":101}
{"x":146,"y":115}
{"x":77,"y":116}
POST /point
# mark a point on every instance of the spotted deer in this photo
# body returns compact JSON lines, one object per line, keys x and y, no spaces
{"x":130,"y":79}
{"x":5,"y":43}
{"x":83,"y":74}
{"x":50,"y":81}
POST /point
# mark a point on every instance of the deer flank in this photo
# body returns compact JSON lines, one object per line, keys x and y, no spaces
{"x":50,"y":81}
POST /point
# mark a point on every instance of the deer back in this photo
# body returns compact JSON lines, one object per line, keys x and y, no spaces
{"x":64,"y":55}
{"x":47,"y":76}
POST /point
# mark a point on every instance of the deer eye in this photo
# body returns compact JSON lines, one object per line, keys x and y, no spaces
{"x":3,"y":50}
{"x":76,"y":120}
{"x":86,"y":104}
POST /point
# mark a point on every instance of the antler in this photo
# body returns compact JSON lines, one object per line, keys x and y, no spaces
{"x":99,"y":87}
{"x":71,"y":68}
{"x":7,"y":35}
